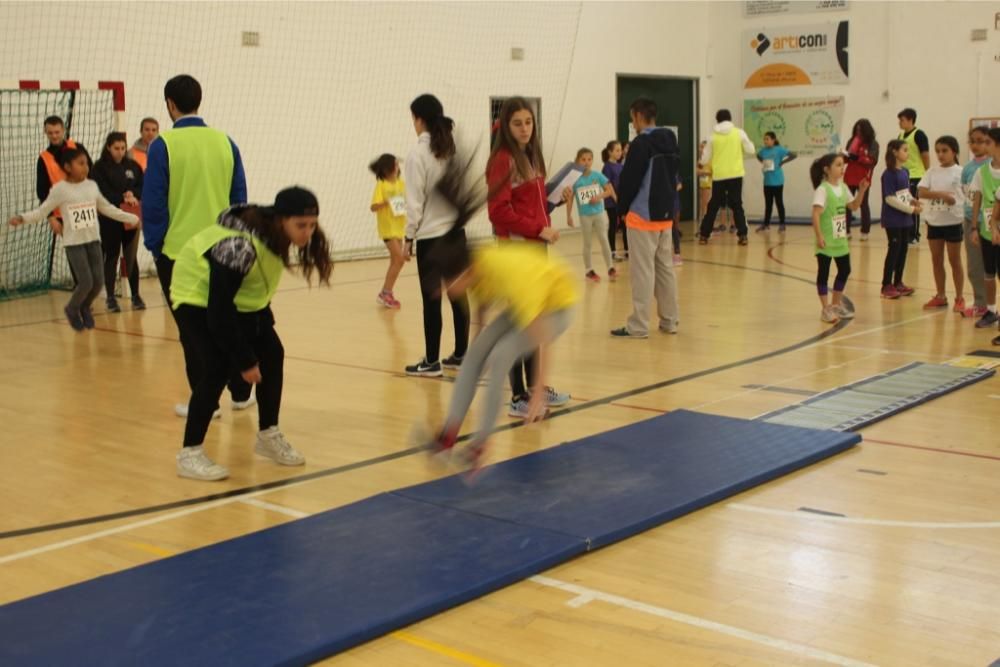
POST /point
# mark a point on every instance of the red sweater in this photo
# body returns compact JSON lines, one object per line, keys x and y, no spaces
{"x":515,"y":210}
{"x":863,"y":167}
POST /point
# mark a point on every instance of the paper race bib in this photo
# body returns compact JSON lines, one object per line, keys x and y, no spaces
{"x":840,"y":226}
{"x":768,"y":165}
{"x":397,"y":205}
{"x":588,"y":192}
{"x":80,"y":216}
{"x":904,"y":196}
{"x":938,"y":205}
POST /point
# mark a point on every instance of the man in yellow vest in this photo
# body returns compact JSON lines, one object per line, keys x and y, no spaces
{"x":725,"y":153}
{"x":193,"y":173}
{"x":149,"y":130}
{"x":918,"y":162}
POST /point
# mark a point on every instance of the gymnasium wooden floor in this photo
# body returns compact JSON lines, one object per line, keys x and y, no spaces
{"x":911,"y":578}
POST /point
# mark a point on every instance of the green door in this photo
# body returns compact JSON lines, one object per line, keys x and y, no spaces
{"x":675,"y":102}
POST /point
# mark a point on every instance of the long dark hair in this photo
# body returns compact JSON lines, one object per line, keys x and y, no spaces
{"x":465,"y":190}
{"x":890,"y":153}
{"x":113,"y":138}
{"x":606,"y":151}
{"x":265,"y":223}
{"x":863,"y":128}
{"x":429,"y":109}
{"x":817,"y":170}
{"x":528,"y":162}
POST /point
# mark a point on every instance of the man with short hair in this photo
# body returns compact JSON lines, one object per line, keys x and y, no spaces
{"x":724,"y":152}
{"x":193,"y":173}
{"x":49,"y":170}
{"x":646,"y":197}
{"x":918,"y":162}
{"x":149,"y":130}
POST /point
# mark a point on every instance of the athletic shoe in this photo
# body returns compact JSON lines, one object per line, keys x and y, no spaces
{"x":678,"y":260}
{"x":452,"y":363}
{"x":112,"y":304}
{"x":518,"y":408}
{"x":743,"y":240}
{"x":555,"y":399}
{"x":271,"y":443}
{"x":937,"y":302}
{"x":842,"y":312}
{"x":424,"y":369}
{"x":763,"y":228}
{"x":904,"y":290}
{"x":73,"y":315}
{"x":88,"y":317}
{"x":592,"y":276}
{"x":781,"y":229}
{"x":612,"y":274}
{"x":387,"y":300}
{"x":864,"y":237}
{"x":243,"y":405}
{"x":959,"y":306}
{"x":732,"y":229}
{"x":828,"y":315}
{"x":978,"y":311}
{"x":194,"y":464}
{"x":670,"y":328}
{"x":471,"y":458}
{"x":181,"y":410}
{"x":987,"y":320}
{"x":890,"y":292}
{"x":617,"y":257}
{"x":702,"y":240}
{"x":138,"y":303}
{"x":623,"y":332}
{"x":914,"y":242}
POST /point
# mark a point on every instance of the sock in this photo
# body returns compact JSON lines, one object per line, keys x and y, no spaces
{"x":992,"y":308}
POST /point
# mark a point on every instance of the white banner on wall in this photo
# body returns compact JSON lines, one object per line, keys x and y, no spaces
{"x":771,"y":7}
{"x":796,"y":55}
{"x":807,"y":125}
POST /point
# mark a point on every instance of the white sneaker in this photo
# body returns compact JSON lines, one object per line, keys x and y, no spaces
{"x":864,"y":237}
{"x":194,"y":464}
{"x":842,"y":312}
{"x":181,"y":410}
{"x":272,"y":444}
{"x":243,"y":405}
{"x":829,"y":315}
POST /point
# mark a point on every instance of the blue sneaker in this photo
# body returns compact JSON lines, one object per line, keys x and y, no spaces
{"x":554,"y":398}
{"x":518,"y":408}
{"x":87,"y":317}
{"x":73,"y":315}
{"x":987,"y":320}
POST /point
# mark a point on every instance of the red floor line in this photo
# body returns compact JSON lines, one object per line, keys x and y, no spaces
{"x":956,"y":452}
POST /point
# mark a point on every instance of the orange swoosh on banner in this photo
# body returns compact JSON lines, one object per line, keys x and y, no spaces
{"x":778,"y":74}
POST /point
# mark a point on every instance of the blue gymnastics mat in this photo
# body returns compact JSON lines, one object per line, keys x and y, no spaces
{"x":299,"y":592}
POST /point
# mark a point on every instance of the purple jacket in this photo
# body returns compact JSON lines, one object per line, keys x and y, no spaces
{"x":894,"y":180}
{"x":613,"y":172}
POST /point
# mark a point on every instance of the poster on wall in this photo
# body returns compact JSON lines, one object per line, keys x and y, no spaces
{"x":772,"y":7}
{"x":806,"y":125}
{"x":797,"y":55}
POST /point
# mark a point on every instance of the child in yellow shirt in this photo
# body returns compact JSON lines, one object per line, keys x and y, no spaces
{"x":389,"y":206}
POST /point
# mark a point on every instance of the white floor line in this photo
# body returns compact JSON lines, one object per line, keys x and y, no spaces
{"x":837,"y":338}
{"x":995,"y":396}
{"x":281,"y":509}
{"x":905,"y":353}
{"x":585,"y":595}
{"x":809,"y":516}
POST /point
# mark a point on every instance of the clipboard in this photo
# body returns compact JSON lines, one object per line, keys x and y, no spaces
{"x":564,"y":178}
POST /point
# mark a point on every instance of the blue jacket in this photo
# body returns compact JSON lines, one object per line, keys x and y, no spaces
{"x":156,"y":185}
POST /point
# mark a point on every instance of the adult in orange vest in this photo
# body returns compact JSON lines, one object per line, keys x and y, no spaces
{"x":149,"y":130}
{"x":49,"y":171}
{"x":725,"y":153}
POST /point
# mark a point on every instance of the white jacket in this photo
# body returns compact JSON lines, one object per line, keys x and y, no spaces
{"x":725,"y":127}
{"x":428,"y":214}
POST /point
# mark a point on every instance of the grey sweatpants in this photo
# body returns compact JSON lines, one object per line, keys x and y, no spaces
{"x":652,"y":271}
{"x":498,"y":346}
{"x":87,"y":263}
{"x":595,"y":224}
{"x":977,"y":276}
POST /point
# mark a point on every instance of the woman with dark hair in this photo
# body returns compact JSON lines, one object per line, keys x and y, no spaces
{"x":515,"y":176}
{"x":119,"y":179}
{"x":429,"y":216}
{"x":862,"y":156}
{"x":224,"y":279}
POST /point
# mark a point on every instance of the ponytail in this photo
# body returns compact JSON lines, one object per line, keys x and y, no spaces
{"x":429,"y":109}
{"x":467,"y":195}
{"x":817,"y":170}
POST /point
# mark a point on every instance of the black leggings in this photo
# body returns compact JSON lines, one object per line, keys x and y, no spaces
{"x":866,"y":212}
{"x":614,"y":224}
{"x":238,"y":387}
{"x":430,"y":292}
{"x":115,"y":241}
{"x":729,"y":191}
{"x":823,"y":273}
{"x":217,"y":369}
{"x":913,"y":233}
{"x":895,"y":256}
{"x":522,"y":377}
{"x":774,"y":194}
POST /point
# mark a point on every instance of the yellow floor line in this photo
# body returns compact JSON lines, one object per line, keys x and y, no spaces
{"x":441,"y":649}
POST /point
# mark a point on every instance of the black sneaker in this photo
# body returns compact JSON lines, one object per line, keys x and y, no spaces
{"x":113,"y":306}
{"x":454,"y":362}
{"x":424,"y":369}
{"x":623,"y":332}
{"x":138,"y":303}
{"x":87,"y":317}
{"x":73,"y":315}
{"x":743,"y":240}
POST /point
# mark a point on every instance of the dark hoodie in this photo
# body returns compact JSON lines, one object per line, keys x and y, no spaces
{"x":648,"y":182}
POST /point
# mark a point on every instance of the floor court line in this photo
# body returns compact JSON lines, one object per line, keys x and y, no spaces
{"x":584,"y":595}
{"x":859,"y":521}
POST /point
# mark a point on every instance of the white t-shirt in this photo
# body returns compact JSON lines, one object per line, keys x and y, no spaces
{"x":79,"y":204}
{"x":937,"y":212}
{"x":819,"y":197}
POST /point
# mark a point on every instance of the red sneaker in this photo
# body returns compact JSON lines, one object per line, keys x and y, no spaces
{"x":936,"y":302}
{"x":959,"y":306}
{"x":592,"y":276}
{"x":904,"y":290}
{"x":612,"y":274}
{"x":890,"y":292}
